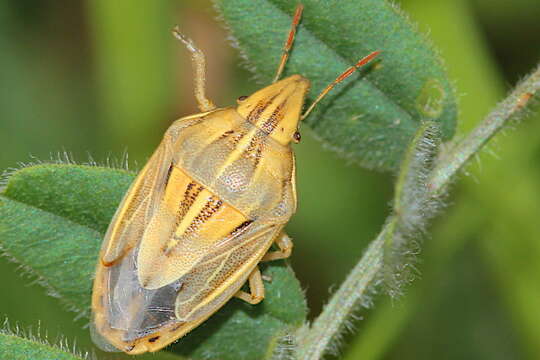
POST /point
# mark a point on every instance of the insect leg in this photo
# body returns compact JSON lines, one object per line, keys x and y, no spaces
{"x":285,"y":244}
{"x":198,"y":61}
{"x":289,"y":42}
{"x":256,"y":288}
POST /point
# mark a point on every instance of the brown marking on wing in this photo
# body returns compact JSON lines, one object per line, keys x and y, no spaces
{"x":240,"y":228}
{"x":190,"y":221}
{"x":153,"y":339}
{"x":168,"y":175}
{"x":211,"y":207}
{"x":190,"y":195}
{"x":226,"y":134}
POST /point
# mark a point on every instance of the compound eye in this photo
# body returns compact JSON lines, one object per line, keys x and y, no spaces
{"x":297,"y":137}
{"x":241,"y":98}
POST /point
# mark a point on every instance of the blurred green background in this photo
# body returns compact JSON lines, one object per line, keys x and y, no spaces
{"x":100,"y":78}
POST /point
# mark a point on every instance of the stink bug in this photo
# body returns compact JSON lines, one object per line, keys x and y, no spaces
{"x":202,"y":213}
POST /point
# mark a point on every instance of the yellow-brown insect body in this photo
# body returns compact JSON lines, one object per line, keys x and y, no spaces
{"x":276,"y":108}
{"x":197,"y":219}
{"x":202,"y":213}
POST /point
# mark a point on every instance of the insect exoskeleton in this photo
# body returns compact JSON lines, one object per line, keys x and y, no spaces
{"x":201,"y":214}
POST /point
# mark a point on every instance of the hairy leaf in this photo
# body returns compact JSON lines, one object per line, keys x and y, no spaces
{"x":16,"y":347}
{"x":52,"y":218}
{"x":372,"y":116}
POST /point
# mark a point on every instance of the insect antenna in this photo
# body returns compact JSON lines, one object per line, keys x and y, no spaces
{"x":289,"y":42}
{"x":339,"y":79}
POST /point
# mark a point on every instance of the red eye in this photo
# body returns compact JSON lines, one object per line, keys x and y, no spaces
{"x":297,"y":137}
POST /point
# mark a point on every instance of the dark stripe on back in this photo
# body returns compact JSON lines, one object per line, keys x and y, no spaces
{"x":255,"y":114}
{"x":254,"y":149}
{"x":257,"y":111}
{"x":231,"y":135}
{"x":210,"y":208}
{"x":240,"y":228}
{"x":270,"y":124}
{"x":226,"y":134}
{"x":168,"y":176}
{"x":190,"y":195}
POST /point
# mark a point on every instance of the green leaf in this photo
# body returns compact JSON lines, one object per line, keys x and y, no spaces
{"x":61,"y":253}
{"x":16,"y":347}
{"x":374,"y":115}
{"x":52,"y":219}
{"x":243,"y":331}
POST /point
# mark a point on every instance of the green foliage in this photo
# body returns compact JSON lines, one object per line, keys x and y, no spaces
{"x":16,"y":347}
{"x":372,"y":117}
{"x":243,"y":331}
{"x":49,"y":102}
{"x":52,"y":220}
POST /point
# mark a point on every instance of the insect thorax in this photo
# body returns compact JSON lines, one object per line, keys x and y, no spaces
{"x":240,"y":163}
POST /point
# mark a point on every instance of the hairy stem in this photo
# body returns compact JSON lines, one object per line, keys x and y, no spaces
{"x":412,"y":207}
{"x":511,"y":108}
{"x":410,"y":196}
{"x":313,"y":343}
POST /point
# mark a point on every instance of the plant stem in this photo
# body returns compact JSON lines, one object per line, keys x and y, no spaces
{"x":338,"y":311}
{"x":313,"y":343}
{"x":511,"y":108}
{"x":412,"y":208}
{"x":383,"y":253}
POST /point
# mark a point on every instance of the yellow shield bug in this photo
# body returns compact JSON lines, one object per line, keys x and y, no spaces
{"x":202,"y":213}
